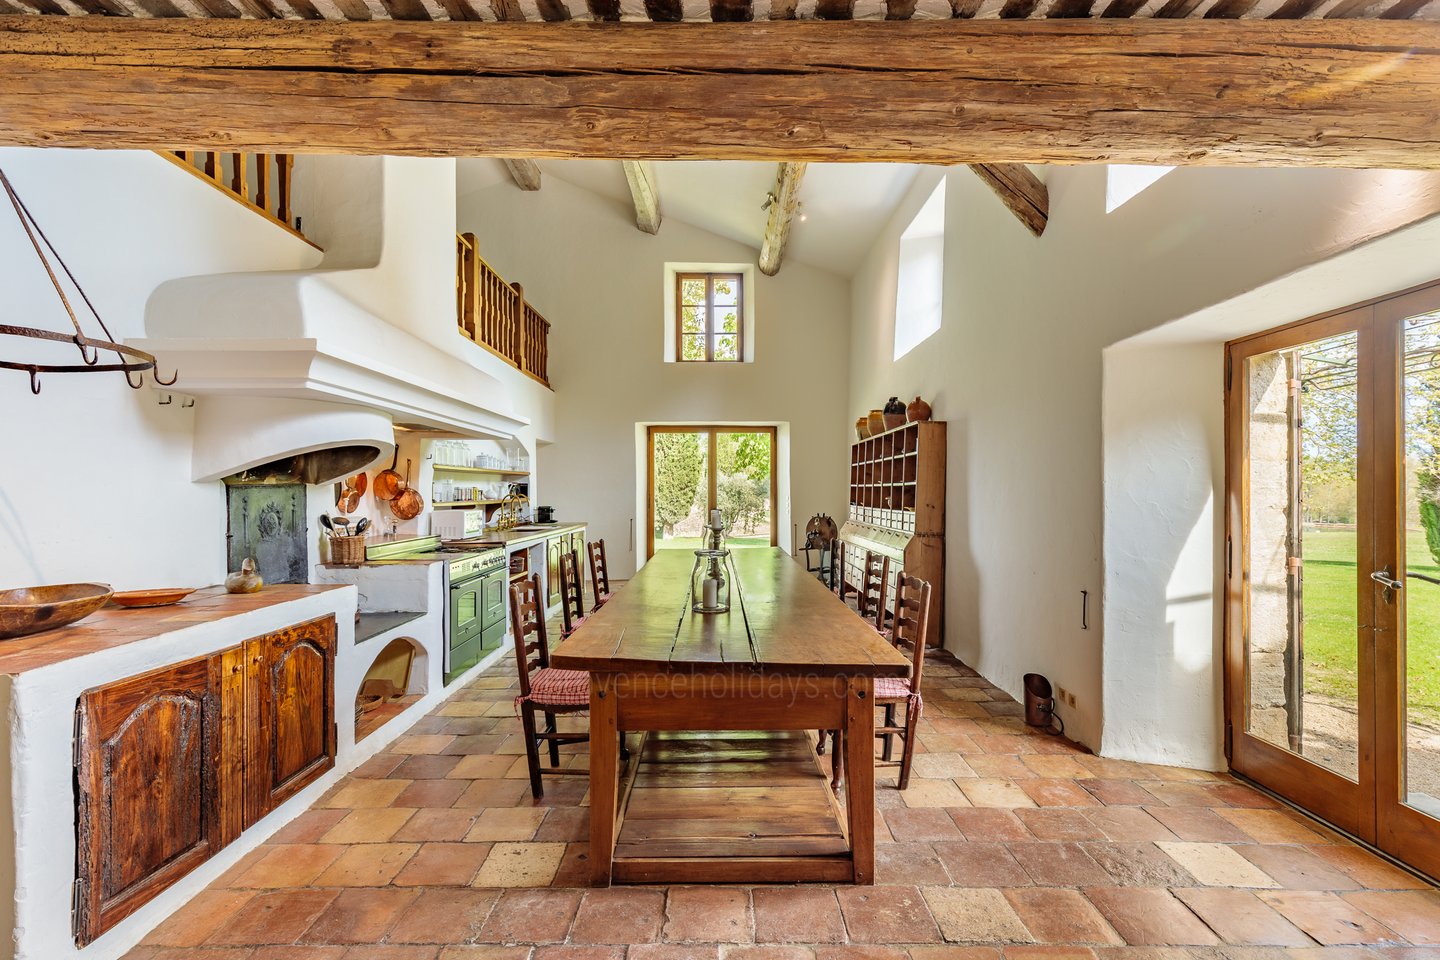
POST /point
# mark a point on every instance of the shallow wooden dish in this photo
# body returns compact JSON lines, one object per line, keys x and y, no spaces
{"x":37,"y":609}
{"x":150,"y":598}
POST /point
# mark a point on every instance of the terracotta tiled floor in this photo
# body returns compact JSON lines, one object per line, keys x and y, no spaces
{"x":1007,"y":841}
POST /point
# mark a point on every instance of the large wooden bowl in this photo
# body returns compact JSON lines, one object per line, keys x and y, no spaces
{"x":37,"y":609}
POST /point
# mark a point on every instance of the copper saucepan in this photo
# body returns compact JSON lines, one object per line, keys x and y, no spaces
{"x":351,"y":492}
{"x":409,"y":503}
{"x":388,"y":483}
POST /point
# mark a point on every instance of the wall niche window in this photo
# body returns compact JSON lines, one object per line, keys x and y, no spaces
{"x":709,"y":317}
{"x":920,"y":288}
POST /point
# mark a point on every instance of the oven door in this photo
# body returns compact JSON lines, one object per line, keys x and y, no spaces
{"x":467,"y":604}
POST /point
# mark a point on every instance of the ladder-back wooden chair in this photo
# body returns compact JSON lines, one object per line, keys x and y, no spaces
{"x":874,"y":583}
{"x":572,"y":594}
{"x":599,"y":572}
{"x":911,"y":619}
{"x":543,"y":689}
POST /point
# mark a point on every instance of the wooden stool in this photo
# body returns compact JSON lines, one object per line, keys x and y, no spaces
{"x":543,"y":688}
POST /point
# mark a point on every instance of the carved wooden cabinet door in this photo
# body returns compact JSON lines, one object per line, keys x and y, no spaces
{"x":146,"y":752}
{"x":290,"y":689}
{"x":552,"y":571}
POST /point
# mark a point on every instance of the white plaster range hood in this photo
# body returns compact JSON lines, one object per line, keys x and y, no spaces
{"x":284,"y":364}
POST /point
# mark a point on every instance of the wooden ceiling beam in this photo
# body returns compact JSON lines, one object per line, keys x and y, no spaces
{"x":525,"y":173}
{"x":640,"y":175}
{"x":1343,"y":93}
{"x":784,"y":199}
{"x":1020,"y":190}
{"x":665,"y":11}
{"x":732,"y":11}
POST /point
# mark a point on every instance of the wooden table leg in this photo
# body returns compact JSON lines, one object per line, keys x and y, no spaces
{"x":604,"y":776}
{"x":859,"y":775}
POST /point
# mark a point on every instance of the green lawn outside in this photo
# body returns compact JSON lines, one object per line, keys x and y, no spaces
{"x":693,"y":543}
{"x":1330,"y":621}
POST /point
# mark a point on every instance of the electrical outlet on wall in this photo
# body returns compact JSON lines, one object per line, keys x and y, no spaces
{"x":1070,"y":698}
{"x":1061,"y":694}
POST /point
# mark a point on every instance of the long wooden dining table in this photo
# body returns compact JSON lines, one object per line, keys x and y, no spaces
{"x":725,"y":785}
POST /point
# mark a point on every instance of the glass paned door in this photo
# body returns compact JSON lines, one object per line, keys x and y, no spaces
{"x":743,"y":485}
{"x":696,"y":469}
{"x":679,"y":488}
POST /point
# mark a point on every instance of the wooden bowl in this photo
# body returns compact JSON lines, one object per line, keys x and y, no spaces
{"x":150,"y":598}
{"x":37,"y":609}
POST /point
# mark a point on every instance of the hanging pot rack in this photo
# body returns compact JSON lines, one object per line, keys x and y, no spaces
{"x":130,"y":361}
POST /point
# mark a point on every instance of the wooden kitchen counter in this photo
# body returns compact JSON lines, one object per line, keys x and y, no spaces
{"x":113,"y":626}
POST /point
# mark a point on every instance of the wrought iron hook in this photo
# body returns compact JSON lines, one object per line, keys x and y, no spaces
{"x":154,"y":372}
{"x":35,"y":381}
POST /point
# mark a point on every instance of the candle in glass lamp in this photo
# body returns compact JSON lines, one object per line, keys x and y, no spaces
{"x":715,"y":519}
{"x":711,"y":589}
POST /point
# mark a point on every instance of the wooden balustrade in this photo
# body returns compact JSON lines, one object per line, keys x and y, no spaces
{"x":261,"y":181}
{"x":494,"y":313}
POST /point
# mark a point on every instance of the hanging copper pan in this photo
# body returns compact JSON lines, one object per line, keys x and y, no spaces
{"x":388,"y":483}
{"x":409,"y":503}
{"x":350,"y":493}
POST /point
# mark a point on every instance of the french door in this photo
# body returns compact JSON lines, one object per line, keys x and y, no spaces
{"x":697,"y":469}
{"x":1333,"y":569}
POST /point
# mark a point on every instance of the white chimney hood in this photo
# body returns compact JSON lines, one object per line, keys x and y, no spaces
{"x":234,"y":434}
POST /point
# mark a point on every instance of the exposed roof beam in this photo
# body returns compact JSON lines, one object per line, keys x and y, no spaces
{"x":1020,"y":190}
{"x":525,"y":173}
{"x":782,"y":210}
{"x":1311,"y":92}
{"x":640,"y":175}
{"x":665,"y":11}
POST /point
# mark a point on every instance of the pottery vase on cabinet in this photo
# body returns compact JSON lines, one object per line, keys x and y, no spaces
{"x":918,"y":411}
{"x":894,"y":413}
{"x":876,"y":421}
{"x":862,"y":427}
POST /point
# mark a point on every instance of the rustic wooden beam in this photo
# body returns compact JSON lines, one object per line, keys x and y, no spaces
{"x":605,"y":10}
{"x":1020,"y":190}
{"x":732,"y":11}
{"x":1315,"y":92}
{"x":964,"y":9}
{"x":640,"y":175}
{"x":784,"y":199}
{"x":835,"y":9}
{"x":1069,"y":9}
{"x":899,"y":9}
{"x":1351,"y":8}
{"x":1230,"y":9}
{"x":1405,"y":9}
{"x":783,"y":9}
{"x":1295,"y":9}
{"x":664,"y":11}
{"x":1123,"y":8}
{"x":525,"y":173}
{"x":1018,"y":9}
{"x":553,"y":11}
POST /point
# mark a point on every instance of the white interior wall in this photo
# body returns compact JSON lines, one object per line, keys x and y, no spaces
{"x":1017,"y":371}
{"x":600,"y":282}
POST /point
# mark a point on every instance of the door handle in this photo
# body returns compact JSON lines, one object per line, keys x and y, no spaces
{"x":1383,"y":578}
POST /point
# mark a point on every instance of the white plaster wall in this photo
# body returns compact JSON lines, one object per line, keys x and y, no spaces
{"x":600,"y":282}
{"x":1017,"y":371}
{"x":94,"y":477}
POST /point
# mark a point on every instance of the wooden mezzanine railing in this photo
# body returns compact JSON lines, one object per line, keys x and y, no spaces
{"x":261,"y":181}
{"x":494,"y":313}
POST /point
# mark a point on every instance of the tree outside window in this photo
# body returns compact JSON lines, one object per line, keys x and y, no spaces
{"x":708,"y":317}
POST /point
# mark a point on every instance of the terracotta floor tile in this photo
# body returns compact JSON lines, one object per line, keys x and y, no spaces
{"x":479,"y":766}
{"x":797,"y":915}
{"x":308,"y":951}
{"x":484,"y":951}
{"x":1128,"y":823}
{"x":367,"y":865}
{"x":289,"y":865}
{"x":1240,"y":917}
{"x":309,"y":827}
{"x":894,"y":914}
{"x":1060,"y":916}
{"x":941,"y":766}
{"x":392,"y":952}
{"x":193,"y":923}
{"x":1413,"y":914}
{"x":1058,"y":823}
{"x":708,"y":914}
{"x":520,"y":865}
{"x":276,"y":916}
{"x":619,"y":915}
{"x":494,"y":793}
{"x":1117,"y":793}
{"x":368,"y":825}
{"x":359,"y":916}
{"x":443,"y":865}
{"x":530,"y":916}
{"x":1368,"y":870}
{"x":574,"y":869}
{"x":998,"y":767}
{"x":971,"y":915}
{"x":1150,"y":917}
{"x":1327,"y":918}
{"x":379,"y":766}
{"x":1138,"y":865}
{"x":1057,"y":793}
{"x":508,"y":823}
{"x":443,"y":915}
{"x":1217,"y":865}
{"x":935,"y":793}
{"x":421,"y":743}
{"x":672,"y":951}
{"x":989,"y":824}
{"x":1198,"y":824}
{"x":1062,"y":768}
{"x":921,"y":823}
{"x":1271,"y":826}
{"x":953,"y":953}
{"x":972,"y":864}
{"x":745,"y":951}
{"x":1059,"y":864}
{"x":909,"y":863}
{"x":431,"y":793}
{"x":1039,"y":951}
{"x":862,"y":951}
{"x":365,"y":793}
{"x":1296,"y":868}
{"x":426,"y":767}
{"x":436,"y":824}
{"x":1001,"y":794}
{"x":565,"y":823}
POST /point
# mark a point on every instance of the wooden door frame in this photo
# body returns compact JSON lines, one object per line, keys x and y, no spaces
{"x":711,"y":474}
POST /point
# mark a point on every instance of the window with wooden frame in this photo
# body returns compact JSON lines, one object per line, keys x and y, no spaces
{"x":709,"y":317}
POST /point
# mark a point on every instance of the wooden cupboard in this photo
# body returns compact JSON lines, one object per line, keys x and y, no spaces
{"x":174,"y":764}
{"x":554,"y":547}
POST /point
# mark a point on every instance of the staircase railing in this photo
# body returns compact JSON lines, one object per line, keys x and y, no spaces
{"x":261,"y":181}
{"x":494,"y":313}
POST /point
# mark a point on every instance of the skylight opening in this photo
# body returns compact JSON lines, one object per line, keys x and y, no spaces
{"x":1126,"y":181}
{"x":919,"y":292}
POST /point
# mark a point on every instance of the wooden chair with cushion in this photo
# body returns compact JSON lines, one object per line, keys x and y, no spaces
{"x":911,"y":620}
{"x":874,"y":581}
{"x":599,"y":572}
{"x":543,"y":688}
{"x":572,"y":594}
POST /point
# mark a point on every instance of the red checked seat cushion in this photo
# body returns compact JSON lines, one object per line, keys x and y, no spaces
{"x":574,"y":625}
{"x":892,"y":688}
{"x":561,"y":688}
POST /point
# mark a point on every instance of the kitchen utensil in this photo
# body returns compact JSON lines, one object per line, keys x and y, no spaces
{"x":362,"y":526}
{"x":37,"y":609}
{"x":408,"y":503}
{"x":388,"y":483}
{"x":150,"y":598}
{"x":544,"y":514}
{"x":245,"y":580}
{"x":351,"y":492}
{"x":328,"y":524}
{"x":344,"y":524}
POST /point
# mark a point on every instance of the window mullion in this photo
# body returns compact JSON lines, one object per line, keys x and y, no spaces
{"x":709,"y":312}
